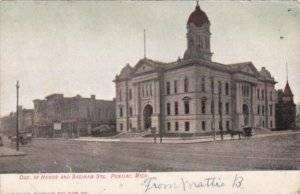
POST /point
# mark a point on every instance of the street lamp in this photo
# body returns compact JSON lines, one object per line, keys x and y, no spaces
{"x":17,"y":123}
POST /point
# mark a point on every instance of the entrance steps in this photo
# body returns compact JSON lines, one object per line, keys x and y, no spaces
{"x":261,"y":130}
{"x":131,"y":134}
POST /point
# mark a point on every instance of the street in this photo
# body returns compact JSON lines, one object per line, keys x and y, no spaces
{"x":54,"y":155}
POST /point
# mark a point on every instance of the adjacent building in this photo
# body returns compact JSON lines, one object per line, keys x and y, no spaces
{"x":25,"y":121}
{"x":285,"y":109}
{"x":59,"y":116}
{"x":194,"y":94}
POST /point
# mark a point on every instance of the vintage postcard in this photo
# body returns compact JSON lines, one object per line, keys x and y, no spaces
{"x":113,"y":97}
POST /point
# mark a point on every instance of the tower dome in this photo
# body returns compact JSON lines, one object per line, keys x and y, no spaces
{"x":198,"y":17}
{"x":198,"y":36}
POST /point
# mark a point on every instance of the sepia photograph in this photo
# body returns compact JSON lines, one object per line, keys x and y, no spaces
{"x":149,"y":86}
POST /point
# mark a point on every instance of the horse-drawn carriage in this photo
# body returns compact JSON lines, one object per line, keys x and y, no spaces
{"x":24,"y":138}
{"x":247,"y":132}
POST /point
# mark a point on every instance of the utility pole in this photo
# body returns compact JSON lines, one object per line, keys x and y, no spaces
{"x":220,"y":111}
{"x":17,"y":121}
{"x":213,"y":105}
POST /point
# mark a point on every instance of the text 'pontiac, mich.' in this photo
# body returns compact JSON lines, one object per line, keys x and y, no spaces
{"x":136,"y":175}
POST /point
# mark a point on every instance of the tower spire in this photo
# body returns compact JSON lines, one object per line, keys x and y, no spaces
{"x":144,"y":43}
{"x":287,"y":73}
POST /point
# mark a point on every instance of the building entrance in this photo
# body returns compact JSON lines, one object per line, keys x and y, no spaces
{"x":246,"y":114}
{"x":148,"y":111}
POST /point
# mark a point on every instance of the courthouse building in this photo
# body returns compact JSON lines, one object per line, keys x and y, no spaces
{"x":194,"y":94}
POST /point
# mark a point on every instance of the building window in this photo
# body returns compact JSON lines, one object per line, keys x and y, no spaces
{"x":219,"y":87}
{"x":258,"y":110}
{"x":186,"y":85}
{"x":176,"y":108}
{"x":212,"y":107}
{"x":186,"y":107}
{"x":176,"y":126}
{"x":130,"y":125}
{"x":212,"y":85}
{"x":175,"y":87}
{"x":203,"y":107}
{"x":263,"y":123}
{"x":121,"y":127}
{"x":263,"y":110}
{"x":262,"y":94}
{"x":227,"y":125}
{"x":187,"y":126}
{"x":203,"y":125}
{"x":168,"y":109}
{"x":220,"y":125}
{"x":143,"y":91}
{"x":121,"y":111}
{"x":203,"y":84}
{"x":99,"y":114}
{"x":227,"y":108}
{"x":130,"y":111}
{"x":120,"y":95}
{"x":271,"y":96}
{"x":271,"y":110}
{"x":130,"y":94}
{"x":271,"y":124}
{"x":220,"y":107}
{"x":168,"y":126}
{"x":258,"y":91}
{"x":168,"y":88}
{"x":248,"y":91}
{"x":227,"y":89}
{"x":147,"y":93}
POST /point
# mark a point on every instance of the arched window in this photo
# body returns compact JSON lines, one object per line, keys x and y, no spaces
{"x":186,"y":85}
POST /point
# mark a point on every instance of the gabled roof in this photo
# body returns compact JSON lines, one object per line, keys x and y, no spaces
{"x":243,"y":65}
{"x":149,"y":62}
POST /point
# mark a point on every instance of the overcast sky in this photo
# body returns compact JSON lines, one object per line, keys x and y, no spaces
{"x":77,"y":47}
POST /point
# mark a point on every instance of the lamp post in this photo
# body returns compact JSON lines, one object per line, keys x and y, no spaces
{"x":17,"y":121}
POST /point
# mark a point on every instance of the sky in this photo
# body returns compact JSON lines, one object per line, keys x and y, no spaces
{"x":77,"y":47}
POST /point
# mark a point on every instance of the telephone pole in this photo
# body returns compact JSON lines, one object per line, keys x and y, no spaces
{"x":220,"y":112}
{"x":213,"y":106}
{"x":17,"y":121}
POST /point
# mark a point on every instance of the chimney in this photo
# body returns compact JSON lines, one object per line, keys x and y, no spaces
{"x":93,"y":97}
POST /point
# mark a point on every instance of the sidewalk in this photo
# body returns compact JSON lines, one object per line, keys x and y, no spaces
{"x":177,"y":140}
{"x":8,"y":152}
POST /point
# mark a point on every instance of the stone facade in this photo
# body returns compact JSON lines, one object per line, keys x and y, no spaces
{"x":194,"y":94}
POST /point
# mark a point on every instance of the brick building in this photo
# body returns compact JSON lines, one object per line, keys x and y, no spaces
{"x":194,"y":94}
{"x":59,"y":116}
{"x":25,"y":121}
{"x":285,"y":109}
